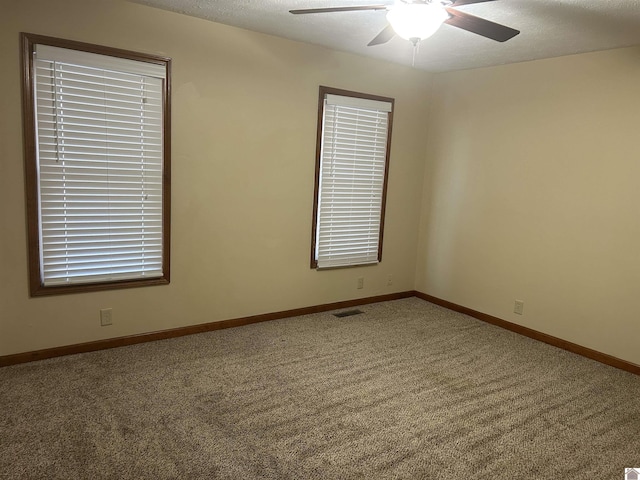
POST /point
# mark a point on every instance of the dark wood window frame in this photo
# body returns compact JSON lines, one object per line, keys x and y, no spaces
{"x":36,"y":285}
{"x":323,"y":92}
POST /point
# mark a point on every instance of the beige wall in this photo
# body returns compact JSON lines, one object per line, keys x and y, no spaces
{"x":532,"y":192}
{"x":529,"y":192}
{"x":244,"y":126}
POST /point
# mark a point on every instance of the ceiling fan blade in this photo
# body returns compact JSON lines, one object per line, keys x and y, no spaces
{"x":471,"y":23}
{"x":384,"y":36}
{"x":354,"y":8}
{"x":458,"y":3}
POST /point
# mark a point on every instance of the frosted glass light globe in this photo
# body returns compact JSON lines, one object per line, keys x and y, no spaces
{"x":416,"y":21}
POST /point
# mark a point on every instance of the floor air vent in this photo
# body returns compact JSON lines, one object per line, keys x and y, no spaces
{"x":348,"y":313}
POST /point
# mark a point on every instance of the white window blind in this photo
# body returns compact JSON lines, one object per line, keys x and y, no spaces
{"x":352,"y":173}
{"x":100,"y":157}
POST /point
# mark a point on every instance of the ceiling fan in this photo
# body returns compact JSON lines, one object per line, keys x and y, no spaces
{"x":416,"y":20}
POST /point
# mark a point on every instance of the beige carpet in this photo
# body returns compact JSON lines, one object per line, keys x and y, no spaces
{"x":406,"y":390}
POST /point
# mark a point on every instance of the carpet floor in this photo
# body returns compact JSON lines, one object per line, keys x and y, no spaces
{"x":405,"y":390}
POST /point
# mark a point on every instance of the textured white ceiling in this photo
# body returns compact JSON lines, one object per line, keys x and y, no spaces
{"x":549,"y":28}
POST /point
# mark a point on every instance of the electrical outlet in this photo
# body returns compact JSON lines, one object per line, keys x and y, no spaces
{"x":518,"y":307}
{"x":106,"y":316}
{"x":360,"y":282}
{"x":390,"y":279}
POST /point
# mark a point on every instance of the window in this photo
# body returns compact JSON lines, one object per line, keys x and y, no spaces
{"x":97,"y":163}
{"x":352,"y":159}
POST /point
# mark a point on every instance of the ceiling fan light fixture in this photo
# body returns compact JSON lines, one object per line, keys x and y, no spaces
{"x":416,"y":21}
